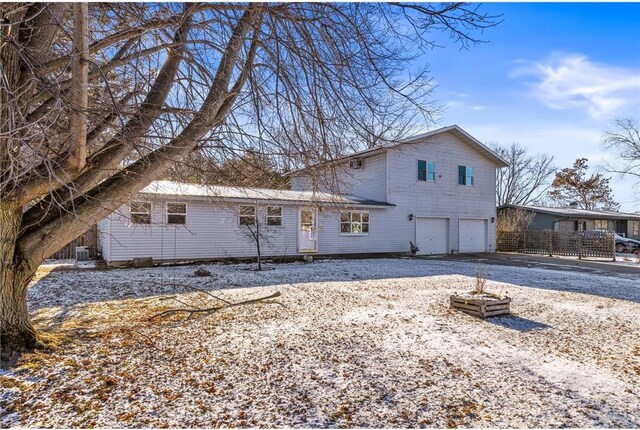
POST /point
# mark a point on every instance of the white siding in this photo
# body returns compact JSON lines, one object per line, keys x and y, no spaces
{"x":212,"y":231}
{"x":370,"y":181}
{"x":444,"y":198}
{"x":104,"y":238}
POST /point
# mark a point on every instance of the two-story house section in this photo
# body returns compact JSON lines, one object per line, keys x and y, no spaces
{"x":442,"y":185}
{"x":436,"y":189}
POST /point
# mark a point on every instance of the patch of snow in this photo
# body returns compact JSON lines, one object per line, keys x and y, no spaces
{"x":358,"y":343}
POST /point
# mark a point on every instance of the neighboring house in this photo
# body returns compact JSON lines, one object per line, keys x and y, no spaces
{"x":436,"y":189}
{"x":574,"y":219}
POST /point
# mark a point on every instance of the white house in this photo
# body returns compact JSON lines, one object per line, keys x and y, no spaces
{"x":436,"y":189}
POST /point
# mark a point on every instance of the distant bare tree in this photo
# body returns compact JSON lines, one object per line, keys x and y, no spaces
{"x":624,"y":142}
{"x":527,"y":178}
{"x":250,"y":169}
{"x":98,"y":100}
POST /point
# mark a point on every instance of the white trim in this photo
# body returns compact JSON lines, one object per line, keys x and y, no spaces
{"x":255,"y":215}
{"x":266,"y":216}
{"x":351,"y":222}
{"x":315,"y":225}
{"x":415,"y":228}
{"x":166,"y":213}
{"x":426,"y":181}
{"x":486,"y":230}
{"x":482,"y":148}
{"x":131,"y":213}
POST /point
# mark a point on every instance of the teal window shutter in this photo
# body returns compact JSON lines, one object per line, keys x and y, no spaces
{"x":422,"y":170}
{"x":462,"y":174}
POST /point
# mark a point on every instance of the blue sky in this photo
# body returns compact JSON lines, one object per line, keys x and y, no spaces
{"x":551,"y":77}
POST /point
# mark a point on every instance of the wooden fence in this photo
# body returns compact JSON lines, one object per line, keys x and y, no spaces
{"x":88,"y":239}
{"x":547,"y":242}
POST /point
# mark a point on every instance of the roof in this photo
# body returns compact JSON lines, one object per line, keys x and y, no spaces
{"x":169,"y":188}
{"x":576,"y":213}
{"x":455,"y":129}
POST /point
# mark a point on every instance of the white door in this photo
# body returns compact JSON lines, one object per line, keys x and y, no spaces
{"x":307,"y":231}
{"x":432,"y":235}
{"x":473,"y":235}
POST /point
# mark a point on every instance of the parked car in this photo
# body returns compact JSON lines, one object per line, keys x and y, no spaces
{"x":624,"y":244}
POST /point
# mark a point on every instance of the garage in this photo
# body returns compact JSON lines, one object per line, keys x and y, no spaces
{"x":473,"y":235}
{"x":432,"y":235}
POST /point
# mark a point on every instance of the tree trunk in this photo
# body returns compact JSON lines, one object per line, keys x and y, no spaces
{"x":258,"y":240}
{"x":16,"y":330}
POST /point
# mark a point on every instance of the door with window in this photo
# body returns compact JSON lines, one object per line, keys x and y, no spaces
{"x":307,"y":231}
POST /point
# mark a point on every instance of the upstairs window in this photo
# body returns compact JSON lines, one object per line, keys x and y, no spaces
{"x":426,"y":171}
{"x":274,"y":215}
{"x":465,"y":176}
{"x":354,"y":223}
{"x":247,"y":215}
{"x":176,"y":213}
{"x":141,"y":212}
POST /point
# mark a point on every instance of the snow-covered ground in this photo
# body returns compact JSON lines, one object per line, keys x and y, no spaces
{"x":357,"y":343}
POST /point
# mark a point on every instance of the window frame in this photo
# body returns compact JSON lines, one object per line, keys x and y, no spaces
{"x":132,"y":213}
{"x":350,"y":222}
{"x":254,"y":216}
{"x":168,"y":214}
{"x":428,"y":173}
{"x":431,"y":169}
{"x":278,"y":217}
{"x":635,"y":228}
{"x":597,"y":224}
{"x":466,"y":179}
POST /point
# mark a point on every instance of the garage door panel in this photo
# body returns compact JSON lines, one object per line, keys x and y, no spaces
{"x":432,"y":235}
{"x":473,"y":235}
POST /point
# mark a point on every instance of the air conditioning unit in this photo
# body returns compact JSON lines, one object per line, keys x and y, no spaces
{"x":356,"y":163}
{"x":82,"y":253}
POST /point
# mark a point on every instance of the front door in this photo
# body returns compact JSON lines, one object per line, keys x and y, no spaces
{"x":307,"y":232}
{"x":621,"y":227}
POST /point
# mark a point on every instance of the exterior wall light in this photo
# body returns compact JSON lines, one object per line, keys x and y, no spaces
{"x":410,"y":217}
{"x":493,"y":219}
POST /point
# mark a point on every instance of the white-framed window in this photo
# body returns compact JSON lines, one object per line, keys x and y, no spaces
{"x":636,"y":229}
{"x":247,"y":215}
{"x":426,"y":171}
{"x":140,"y":212}
{"x":176,"y":213}
{"x":354,"y":222}
{"x":274,"y":215}
{"x":601,"y":224}
{"x":465,"y":176}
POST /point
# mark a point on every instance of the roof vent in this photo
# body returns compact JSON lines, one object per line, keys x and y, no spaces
{"x":573,"y":205}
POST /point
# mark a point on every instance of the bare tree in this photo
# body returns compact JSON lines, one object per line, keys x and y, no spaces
{"x":624,"y":141}
{"x":514,"y":219}
{"x":97,"y":101}
{"x":527,"y":178}
{"x":252,"y":227}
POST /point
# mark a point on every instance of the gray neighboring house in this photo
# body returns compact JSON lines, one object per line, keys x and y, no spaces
{"x":436,"y":189}
{"x":573,"y":219}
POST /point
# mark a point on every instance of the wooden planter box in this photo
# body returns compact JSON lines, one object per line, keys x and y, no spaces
{"x":481,"y":307}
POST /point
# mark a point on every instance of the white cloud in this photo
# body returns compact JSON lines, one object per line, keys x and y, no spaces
{"x":478,"y":107}
{"x":573,"y":81}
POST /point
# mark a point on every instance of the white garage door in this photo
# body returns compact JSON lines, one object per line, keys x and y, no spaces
{"x":473,"y":235}
{"x":432,"y":235}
